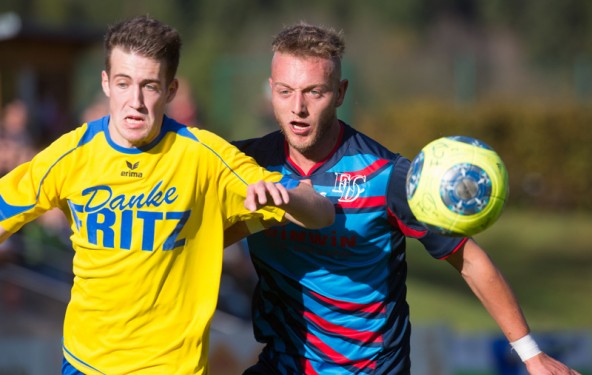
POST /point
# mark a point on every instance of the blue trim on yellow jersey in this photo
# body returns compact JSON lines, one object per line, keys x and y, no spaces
{"x":68,"y":369}
{"x":168,"y":125}
{"x":224,"y":162}
{"x":93,"y":128}
{"x":147,"y":216}
{"x":7,"y":210}
{"x":79,"y":360}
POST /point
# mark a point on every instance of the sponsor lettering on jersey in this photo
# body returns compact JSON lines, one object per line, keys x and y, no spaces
{"x":107,"y":214}
{"x":314,"y":242}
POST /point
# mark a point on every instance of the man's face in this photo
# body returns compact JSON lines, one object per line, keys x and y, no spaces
{"x":138,"y":94}
{"x":305,"y":94}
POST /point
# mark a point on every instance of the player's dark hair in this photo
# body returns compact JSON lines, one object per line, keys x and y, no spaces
{"x":303,"y":39}
{"x":148,"y":37}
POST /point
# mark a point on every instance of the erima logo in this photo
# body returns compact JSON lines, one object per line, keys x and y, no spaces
{"x":132,"y":166}
{"x":131,"y":172}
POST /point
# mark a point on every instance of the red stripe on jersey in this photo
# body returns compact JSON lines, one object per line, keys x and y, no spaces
{"x":407,"y":231}
{"x":376,"y":307}
{"x":308,"y":369}
{"x":336,"y":357}
{"x":370,"y":169}
{"x":362,"y":336}
{"x":363,"y":202}
{"x":461,"y":244}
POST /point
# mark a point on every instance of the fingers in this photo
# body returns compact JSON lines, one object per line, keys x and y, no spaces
{"x":264,"y":193}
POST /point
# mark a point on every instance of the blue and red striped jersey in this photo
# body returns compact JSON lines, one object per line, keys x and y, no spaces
{"x":334,"y":299}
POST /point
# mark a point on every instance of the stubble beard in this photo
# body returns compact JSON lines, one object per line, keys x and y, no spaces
{"x":310,"y":147}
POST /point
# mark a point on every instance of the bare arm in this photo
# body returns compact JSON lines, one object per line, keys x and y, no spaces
{"x":488,"y":284}
{"x":303,"y":205}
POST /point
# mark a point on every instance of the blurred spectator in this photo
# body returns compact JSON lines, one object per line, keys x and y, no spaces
{"x":46,"y":246}
{"x":45,"y":241}
{"x":16,"y":142}
{"x":15,"y":122}
{"x":96,"y":109}
{"x":183,"y":108}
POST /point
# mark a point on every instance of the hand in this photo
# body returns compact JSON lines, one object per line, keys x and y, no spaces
{"x":265,"y":193}
{"x":542,"y":364}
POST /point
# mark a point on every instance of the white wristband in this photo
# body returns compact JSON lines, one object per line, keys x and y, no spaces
{"x":526,"y":347}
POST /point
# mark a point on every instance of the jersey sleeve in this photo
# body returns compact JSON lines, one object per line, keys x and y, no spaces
{"x":29,"y":190}
{"x":236,"y":172}
{"x":400,"y":214}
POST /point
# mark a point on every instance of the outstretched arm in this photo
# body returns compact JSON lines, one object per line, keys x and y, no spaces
{"x":488,"y":284}
{"x":303,"y":205}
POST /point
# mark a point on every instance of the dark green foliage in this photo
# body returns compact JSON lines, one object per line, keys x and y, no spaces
{"x":545,"y":147}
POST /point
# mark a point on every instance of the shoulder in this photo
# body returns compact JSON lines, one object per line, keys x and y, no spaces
{"x":266,"y":149}
{"x":70,"y":141}
{"x":191,"y":134}
{"x":269,"y":140}
{"x":357,"y":143}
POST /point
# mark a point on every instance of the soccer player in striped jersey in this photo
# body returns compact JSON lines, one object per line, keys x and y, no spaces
{"x":148,"y":200}
{"x":332,"y":301}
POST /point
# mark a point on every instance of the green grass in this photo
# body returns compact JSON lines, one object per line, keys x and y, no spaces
{"x":546,"y":258}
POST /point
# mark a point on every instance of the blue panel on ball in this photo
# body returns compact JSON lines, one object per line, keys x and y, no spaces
{"x":471,"y":141}
{"x":414,"y":174}
{"x":465,"y":189}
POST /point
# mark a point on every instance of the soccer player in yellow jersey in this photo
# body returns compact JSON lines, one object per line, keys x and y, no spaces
{"x":148,"y":200}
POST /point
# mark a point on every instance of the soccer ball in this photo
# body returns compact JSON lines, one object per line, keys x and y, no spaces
{"x":457,"y":186}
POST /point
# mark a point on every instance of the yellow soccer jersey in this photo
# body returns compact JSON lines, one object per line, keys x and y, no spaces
{"x":147,"y":230}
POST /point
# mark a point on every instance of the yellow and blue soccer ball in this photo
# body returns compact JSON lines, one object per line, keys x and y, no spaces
{"x":457,"y":186}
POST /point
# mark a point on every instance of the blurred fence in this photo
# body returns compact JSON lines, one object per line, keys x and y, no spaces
{"x":30,"y":338}
{"x":436,"y":350}
{"x":32,"y":306}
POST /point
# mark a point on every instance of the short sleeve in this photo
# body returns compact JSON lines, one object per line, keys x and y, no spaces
{"x":27,"y":192}
{"x":400,"y":215}
{"x":235,"y":172}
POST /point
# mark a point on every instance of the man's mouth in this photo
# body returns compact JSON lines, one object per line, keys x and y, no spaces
{"x":299,"y":127}
{"x":134,"y":120}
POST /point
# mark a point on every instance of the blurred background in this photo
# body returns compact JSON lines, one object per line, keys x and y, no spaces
{"x":516,"y":74}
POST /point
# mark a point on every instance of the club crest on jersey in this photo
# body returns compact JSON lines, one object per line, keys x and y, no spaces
{"x":131,"y":172}
{"x":349,"y":186}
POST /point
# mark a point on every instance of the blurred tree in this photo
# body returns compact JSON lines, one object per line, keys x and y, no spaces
{"x":553,"y":31}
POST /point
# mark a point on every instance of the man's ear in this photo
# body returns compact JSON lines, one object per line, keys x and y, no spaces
{"x":341,"y":90}
{"x":172,"y":90}
{"x":105,"y":83}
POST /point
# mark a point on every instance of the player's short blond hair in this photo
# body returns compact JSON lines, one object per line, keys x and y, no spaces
{"x":303,"y":39}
